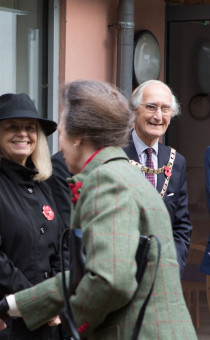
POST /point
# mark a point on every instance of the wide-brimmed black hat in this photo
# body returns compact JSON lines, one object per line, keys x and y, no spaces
{"x":21,"y":106}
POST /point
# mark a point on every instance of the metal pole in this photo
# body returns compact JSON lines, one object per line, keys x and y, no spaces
{"x":125,"y":46}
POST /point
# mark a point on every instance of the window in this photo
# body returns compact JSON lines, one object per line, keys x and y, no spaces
{"x":29,"y":53}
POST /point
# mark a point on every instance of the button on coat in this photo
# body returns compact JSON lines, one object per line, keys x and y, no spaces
{"x":29,"y":241}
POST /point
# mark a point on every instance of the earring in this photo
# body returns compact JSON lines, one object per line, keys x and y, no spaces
{"x":75,"y":144}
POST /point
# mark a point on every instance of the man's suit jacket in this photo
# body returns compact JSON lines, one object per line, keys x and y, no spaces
{"x":177,"y":203}
{"x":117,"y":204}
{"x":60,"y":188}
{"x":205,"y":264}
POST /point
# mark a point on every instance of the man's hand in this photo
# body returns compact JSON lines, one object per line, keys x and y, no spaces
{"x":4,"y":308}
{"x":2,"y":325}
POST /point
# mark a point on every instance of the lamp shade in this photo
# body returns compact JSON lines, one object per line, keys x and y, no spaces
{"x":147,"y":57}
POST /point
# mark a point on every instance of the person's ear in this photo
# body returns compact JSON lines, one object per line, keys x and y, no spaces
{"x":77,"y":142}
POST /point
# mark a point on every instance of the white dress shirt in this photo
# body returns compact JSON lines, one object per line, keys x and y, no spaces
{"x":141,"y":147}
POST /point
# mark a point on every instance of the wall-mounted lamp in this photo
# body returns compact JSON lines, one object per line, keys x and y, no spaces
{"x":147,"y":57}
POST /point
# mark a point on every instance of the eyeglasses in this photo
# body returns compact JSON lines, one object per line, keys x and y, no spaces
{"x":165,"y":110}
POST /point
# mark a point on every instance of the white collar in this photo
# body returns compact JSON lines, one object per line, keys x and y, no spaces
{"x":140,"y":145}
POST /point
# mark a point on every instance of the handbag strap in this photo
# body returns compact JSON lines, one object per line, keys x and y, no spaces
{"x":66,"y":291}
{"x":143,"y":308}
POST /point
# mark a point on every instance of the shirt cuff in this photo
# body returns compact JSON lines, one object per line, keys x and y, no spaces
{"x":13,"y":308}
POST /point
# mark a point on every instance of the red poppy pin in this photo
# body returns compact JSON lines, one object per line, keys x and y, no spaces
{"x":48,"y":212}
{"x":75,"y":189}
{"x":168,"y":172}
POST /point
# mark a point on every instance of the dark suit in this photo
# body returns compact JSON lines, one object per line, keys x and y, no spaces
{"x":59,"y":187}
{"x":205,"y":264}
{"x":177,"y":204}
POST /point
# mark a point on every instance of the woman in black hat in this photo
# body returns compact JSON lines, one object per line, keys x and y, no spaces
{"x":30,"y":226}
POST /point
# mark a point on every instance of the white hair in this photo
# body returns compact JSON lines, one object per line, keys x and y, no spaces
{"x":136,"y":97}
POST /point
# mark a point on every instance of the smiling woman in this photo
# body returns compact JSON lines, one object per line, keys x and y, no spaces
{"x":29,"y":222}
{"x":20,"y":123}
{"x":18,"y":139}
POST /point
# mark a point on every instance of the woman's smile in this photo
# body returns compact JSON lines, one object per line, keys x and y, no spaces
{"x":18,"y":139}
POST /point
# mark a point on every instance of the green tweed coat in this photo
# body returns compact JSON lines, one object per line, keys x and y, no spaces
{"x":116,"y":205}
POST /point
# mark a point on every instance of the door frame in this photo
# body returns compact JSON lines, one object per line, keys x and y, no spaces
{"x":53,"y":69}
{"x":177,"y":12}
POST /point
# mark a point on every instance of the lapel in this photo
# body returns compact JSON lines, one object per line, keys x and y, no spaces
{"x":130,"y":150}
{"x":104,"y":156}
{"x":163,"y":158}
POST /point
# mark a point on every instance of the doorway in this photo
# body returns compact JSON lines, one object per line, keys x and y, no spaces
{"x":190,"y":133}
{"x":188,"y":74}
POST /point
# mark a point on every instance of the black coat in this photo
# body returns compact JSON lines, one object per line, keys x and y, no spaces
{"x":60,"y":188}
{"x":29,"y":241}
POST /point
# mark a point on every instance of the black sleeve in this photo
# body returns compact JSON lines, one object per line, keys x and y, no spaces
{"x":12,"y":279}
{"x":59,"y":187}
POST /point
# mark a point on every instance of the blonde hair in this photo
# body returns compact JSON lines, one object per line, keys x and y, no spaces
{"x":41,"y":156}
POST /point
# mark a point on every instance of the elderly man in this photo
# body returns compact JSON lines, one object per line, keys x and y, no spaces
{"x":154,"y":105}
